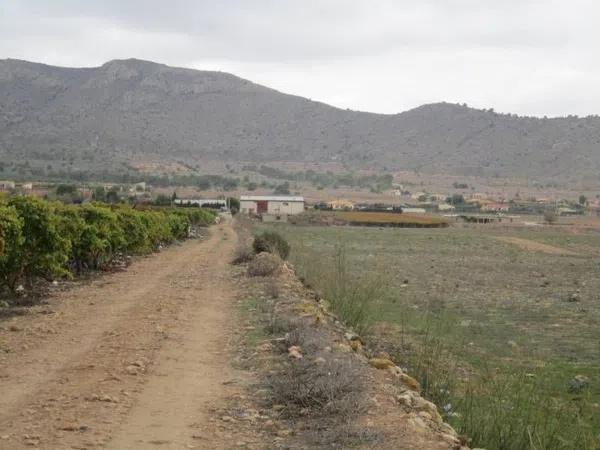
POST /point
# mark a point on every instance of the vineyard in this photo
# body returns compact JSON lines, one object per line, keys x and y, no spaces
{"x":392,"y":220}
{"x":43,"y":239}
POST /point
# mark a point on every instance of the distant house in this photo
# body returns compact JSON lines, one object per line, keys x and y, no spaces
{"x":271,"y":204}
{"x":7,"y":185}
{"x":341,"y":205}
{"x":410,"y":210}
{"x":446,"y":207}
{"x":564,"y":211}
{"x":495,"y":207}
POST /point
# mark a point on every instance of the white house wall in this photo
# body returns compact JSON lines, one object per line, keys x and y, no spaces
{"x":289,"y":208}
{"x":248,"y":206}
{"x":273,"y":207}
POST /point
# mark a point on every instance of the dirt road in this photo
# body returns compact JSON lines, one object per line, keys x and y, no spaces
{"x":132,"y":360}
{"x":534,"y":246}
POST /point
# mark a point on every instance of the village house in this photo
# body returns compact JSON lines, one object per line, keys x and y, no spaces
{"x":413,"y":210}
{"x":271,"y":204}
{"x":7,"y":185}
{"x":343,"y":205}
{"x":495,"y":207}
{"x":445,"y":207}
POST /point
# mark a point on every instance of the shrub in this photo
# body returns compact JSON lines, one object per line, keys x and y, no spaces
{"x":43,"y":251}
{"x":243,"y":254}
{"x":333,"y":386}
{"x":44,"y":239}
{"x":197,"y":216}
{"x":159,"y":231}
{"x":11,"y":242}
{"x":323,"y":389}
{"x":102,"y":236}
{"x":135,"y":230}
{"x":264,"y":264}
{"x":72,"y":226}
{"x":271,"y":242}
{"x":179,"y":225}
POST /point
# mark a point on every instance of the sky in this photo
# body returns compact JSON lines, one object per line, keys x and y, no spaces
{"x":529,"y":57}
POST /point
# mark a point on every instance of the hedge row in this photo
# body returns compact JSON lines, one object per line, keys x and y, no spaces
{"x":46,"y":239}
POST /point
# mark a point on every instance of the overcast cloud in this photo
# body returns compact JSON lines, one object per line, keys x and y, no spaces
{"x":534,"y":57}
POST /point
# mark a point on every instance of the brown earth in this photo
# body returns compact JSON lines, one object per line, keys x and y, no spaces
{"x":153,"y":358}
{"x":527,"y":244}
{"x":136,"y":359}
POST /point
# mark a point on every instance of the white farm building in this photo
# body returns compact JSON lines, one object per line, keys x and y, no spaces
{"x":271,"y":204}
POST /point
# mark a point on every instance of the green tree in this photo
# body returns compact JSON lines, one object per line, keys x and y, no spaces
{"x":456,"y":199}
{"x":582,"y":200}
{"x":282,"y":189}
{"x":66,"y":189}
{"x":234,"y":204}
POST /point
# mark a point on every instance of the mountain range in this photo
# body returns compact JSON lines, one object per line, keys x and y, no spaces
{"x":128,"y":111}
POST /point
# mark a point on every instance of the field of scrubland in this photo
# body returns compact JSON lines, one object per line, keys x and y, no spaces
{"x":500,"y":325}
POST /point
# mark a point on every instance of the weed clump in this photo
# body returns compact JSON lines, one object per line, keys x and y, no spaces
{"x":264,"y":264}
{"x":331,"y":386}
{"x":319,"y":389}
{"x":243,"y":254}
{"x":271,"y":242}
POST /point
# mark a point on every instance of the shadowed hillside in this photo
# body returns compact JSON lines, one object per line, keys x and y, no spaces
{"x":131,"y":110}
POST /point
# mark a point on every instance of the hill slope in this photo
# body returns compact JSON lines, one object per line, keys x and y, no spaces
{"x":132,"y":110}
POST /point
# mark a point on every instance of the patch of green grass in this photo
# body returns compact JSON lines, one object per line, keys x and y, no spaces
{"x":250,"y":309}
{"x":485,"y":326}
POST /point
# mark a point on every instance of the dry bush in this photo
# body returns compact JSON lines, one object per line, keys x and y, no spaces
{"x":272,"y":242}
{"x":331,"y":388}
{"x":264,"y":264}
{"x":243,"y":253}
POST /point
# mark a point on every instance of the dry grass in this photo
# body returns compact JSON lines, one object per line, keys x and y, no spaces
{"x":392,"y":219}
{"x":322,"y":383}
{"x":243,"y":254}
{"x":263,"y":265}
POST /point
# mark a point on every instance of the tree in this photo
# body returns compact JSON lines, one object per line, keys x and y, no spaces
{"x":582,"y":200}
{"x":162,"y":200}
{"x":112,"y":197}
{"x":234,"y":204}
{"x":66,"y":189}
{"x":550,"y":216}
{"x":456,"y":199}
{"x":282,"y":189}
{"x":99,"y":194}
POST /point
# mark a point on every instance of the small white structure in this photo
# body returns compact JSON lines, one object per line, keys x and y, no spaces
{"x":271,"y":204}
{"x":6,"y":185}
{"x":201,"y":202}
{"x":446,"y":207}
{"x":414,"y":210}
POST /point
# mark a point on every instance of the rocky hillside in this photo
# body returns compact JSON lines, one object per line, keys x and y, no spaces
{"x":131,"y":110}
